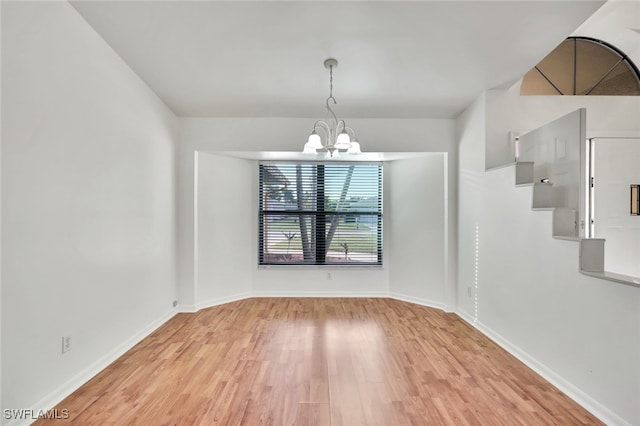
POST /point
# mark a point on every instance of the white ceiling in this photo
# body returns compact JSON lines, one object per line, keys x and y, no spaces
{"x":280,"y":156}
{"x":396,"y":59}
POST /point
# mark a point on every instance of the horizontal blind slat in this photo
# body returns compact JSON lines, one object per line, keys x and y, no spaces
{"x":289,"y":214}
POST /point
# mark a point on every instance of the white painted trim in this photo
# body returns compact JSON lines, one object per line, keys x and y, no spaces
{"x":222,"y":300}
{"x":466,"y":317}
{"x":318,"y":294}
{"x":187,"y":309}
{"x":445,"y":215}
{"x":73,"y":384}
{"x":572,"y":391}
{"x":196,"y":232}
{"x":418,"y":301}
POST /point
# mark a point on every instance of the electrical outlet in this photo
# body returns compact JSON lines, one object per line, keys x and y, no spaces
{"x":328,"y":275}
{"x":66,"y":344}
{"x":175,"y":303}
{"x":469,"y":291}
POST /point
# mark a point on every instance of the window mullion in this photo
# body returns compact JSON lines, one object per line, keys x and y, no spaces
{"x":321,"y":222}
{"x":302,"y":206}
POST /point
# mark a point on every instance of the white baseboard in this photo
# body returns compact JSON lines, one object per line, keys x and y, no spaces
{"x":71,"y":385}
{"x":418,"y":301}
{"x":320,"y":294}
{"x":281,"y":294}
{"x":187,"y":309}
{"x":222,"y":300}
{"x":573,"y":392}
{"x":317,"y":294}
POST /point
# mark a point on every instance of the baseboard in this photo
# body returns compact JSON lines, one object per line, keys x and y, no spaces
{"x":318,"y":294}
{"x":573,"y":392}
{"x":467,"y":317}
{"x":71,"y":385}
{"x":247,"y":295}
{"x":222,"y":300}
{"x":187,"y":309}
{"x":418,"y":301}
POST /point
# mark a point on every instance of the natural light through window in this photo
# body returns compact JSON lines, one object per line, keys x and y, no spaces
{"x":320,"y":214}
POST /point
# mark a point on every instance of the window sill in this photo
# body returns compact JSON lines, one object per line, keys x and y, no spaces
{"x":321,"y":267}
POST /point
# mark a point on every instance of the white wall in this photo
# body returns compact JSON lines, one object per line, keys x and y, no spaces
{"x":87,"y":204}
{"x":617,"y":166}
{"x":322,"y":281}
{"x":556,"y":150}
{"x":470,"y":131}
{"x":282,"y":134}
{"x":508,"y":111}
{"x":417,"y":236}
{"x":1,"y":405}
{"x":582,"y":333}
{"x":225,"y":228}
{"x":607,"y":116}
{"x":414,"y":237}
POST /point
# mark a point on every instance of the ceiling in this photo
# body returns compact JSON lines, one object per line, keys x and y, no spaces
{"x":265,"y":58}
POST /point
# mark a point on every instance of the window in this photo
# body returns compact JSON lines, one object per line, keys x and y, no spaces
{"x":583,"y":66}
{"x":320,"y":214}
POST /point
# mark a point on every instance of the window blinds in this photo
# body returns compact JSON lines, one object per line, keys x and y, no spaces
{"x":326,"y":214}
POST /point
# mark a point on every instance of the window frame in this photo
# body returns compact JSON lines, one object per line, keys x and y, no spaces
{"x":321,"y":214}
{"x":621,"y":56}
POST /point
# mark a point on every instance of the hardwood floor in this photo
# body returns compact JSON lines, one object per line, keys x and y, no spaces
{"x":297,"y":361}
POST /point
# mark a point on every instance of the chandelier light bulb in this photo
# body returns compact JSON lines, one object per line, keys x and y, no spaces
{"x":309,"y":149}
{"x":343,"y":141}
{"x":354,"y":148}
{"x":314,"y":141}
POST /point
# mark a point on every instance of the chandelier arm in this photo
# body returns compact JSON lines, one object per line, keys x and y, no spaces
{"x":323,"y":125}
{"x":320,"y":124}
{"x":335,"y":118}
{"x":353,"y":132}
{"x":343,"y":127}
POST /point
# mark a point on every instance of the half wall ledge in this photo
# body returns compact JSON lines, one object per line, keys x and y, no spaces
{"x":592,"y":263}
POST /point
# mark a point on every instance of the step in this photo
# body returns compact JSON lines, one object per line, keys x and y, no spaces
{"x":592,"y":255}
{"x":565,"y":223}
{"x":543,"y":194}
{"x":524,"y":173}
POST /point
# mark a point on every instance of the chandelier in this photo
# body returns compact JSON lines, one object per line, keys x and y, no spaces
{"x":331,"y":137}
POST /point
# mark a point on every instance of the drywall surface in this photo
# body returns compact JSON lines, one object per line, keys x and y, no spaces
{"x":1,"y":405}
{"x":414,"y":237}
{"x":470,"y":131}
{"x":617,"y":166}
{"x":582,"y":333}
{"x":87,"y":204}
{"x":225,"y":227}
{"x":417,"y":238}
{"x":507,"y":112}
{"x":558,"y":153}
{"x":223,"y":135}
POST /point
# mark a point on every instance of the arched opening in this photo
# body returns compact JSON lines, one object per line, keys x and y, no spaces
{"x":583,"y":66}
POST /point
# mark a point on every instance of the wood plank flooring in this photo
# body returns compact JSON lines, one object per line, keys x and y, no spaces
{"x":305,"y":361}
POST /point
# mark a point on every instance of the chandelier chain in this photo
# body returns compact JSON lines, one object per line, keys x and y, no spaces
{"x":331,"y":98}
{"x":331,"y":81}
